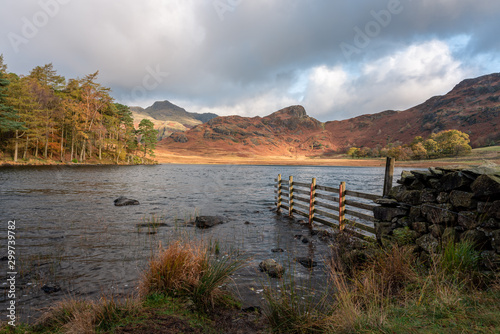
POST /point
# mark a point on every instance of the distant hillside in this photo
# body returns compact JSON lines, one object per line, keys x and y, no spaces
{"x":473,"y":107}
{"x":169,"y":118}
{"x":285,"y":132}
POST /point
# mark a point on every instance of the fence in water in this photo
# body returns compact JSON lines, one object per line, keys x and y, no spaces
{"x":330,"y":206}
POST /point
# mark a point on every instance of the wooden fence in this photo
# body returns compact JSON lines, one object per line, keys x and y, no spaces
{"x":328,"y":205}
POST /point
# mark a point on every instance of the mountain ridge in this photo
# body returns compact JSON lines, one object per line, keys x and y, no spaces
{"x":472,"y":106}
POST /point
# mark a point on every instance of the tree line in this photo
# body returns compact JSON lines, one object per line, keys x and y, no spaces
{"x":442,"y":144}
{"x":43,"y":115}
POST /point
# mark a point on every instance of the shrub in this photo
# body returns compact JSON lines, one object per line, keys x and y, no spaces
{"x":190,"y":270}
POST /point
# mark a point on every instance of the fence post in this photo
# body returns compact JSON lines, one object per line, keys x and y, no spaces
{"x":389,"y":173}
{"x":342,"y":206}
{"x":312,"y":199}
{"x":290,"y":192}
{"x":278,"y":202}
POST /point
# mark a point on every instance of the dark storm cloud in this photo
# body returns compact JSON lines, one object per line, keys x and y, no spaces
{"x":253,"y":57}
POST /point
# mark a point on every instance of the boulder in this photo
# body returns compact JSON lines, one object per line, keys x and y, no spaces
{"x":50,"y":289}
{"x":486,"y":186}
{"x":306,"y":262}
{"x":387,"y":213}
{"x":389,"y":202}
{"x":396,"y":192}
{"x":427,"y":196}
{"x":455,"y":180}
{"x":443,"y":198}
{"x":428,"y":243}
{"x":411,"y":197}
{"x":208,"y":221}
{"x":422,"y":175}
{"x":123,"y":201}
{"x":439,"y":214}
{"x":462,"y":199}
{"x":272,"y":268}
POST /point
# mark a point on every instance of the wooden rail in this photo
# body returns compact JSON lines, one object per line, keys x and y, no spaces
{"x":312,"y":201}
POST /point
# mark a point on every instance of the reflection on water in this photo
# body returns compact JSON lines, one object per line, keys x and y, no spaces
{"x":69,"y":233}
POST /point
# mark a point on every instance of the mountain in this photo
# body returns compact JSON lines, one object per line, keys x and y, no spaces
{"x":285,"y":132}
{"x":169,"y":118}
{"x":472,"y":106}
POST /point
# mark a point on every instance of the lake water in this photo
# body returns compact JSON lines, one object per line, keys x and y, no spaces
{"x":69,"y":234}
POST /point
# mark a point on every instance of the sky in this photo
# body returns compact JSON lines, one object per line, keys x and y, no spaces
{"x":337,"y":58}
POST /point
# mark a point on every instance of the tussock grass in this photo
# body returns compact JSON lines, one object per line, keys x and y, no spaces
{"x":289,"y":311}
{"x":392,"y":292}
{"x":81,"y":316}
{"x":190,"y":270}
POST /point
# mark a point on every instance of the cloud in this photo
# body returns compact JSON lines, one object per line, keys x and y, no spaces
{"x":285,"y":51}
{"x":397,"y":81}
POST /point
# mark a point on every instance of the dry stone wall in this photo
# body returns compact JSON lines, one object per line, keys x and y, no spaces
{"x":431,"y":207}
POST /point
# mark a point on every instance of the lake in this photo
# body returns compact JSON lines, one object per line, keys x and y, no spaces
{"x":70,"y":235}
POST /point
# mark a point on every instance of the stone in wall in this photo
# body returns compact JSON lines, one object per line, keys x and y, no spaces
{"x":445,"y":204}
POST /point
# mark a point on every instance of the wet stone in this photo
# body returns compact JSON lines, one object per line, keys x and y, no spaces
{"x":208,"y":221}
{"x":50,"y":288}
{"x":306,"y":262}
{"x":272,"y":268}
{"x":123,"y":201}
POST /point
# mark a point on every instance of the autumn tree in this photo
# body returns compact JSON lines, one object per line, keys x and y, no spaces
{"x":148,"y":136}
{"x":9,"y":118}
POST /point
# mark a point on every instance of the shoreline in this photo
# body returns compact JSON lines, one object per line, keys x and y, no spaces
{"x":170,"y":158}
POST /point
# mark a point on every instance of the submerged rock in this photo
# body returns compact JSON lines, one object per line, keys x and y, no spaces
{"x":272,"y":268}
{"x":50,"y":289}
{"x":123,"y":201}
{"x":208,"y":221}
{"x":306,"y":262}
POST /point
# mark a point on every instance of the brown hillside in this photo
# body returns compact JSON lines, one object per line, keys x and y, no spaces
{"x":286,"y":132}
{"x":473,"y":106}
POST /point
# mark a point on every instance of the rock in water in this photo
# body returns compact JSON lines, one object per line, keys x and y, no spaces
{"x":272,"y":268}
{"x":122,"y":201}
{"x":208,"y":221}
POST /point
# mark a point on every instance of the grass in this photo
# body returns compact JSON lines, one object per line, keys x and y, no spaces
{"x":392,"y":292}
{"x":182,"y":286}
{"x":191,"y":270}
